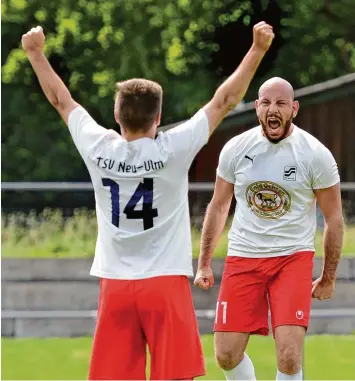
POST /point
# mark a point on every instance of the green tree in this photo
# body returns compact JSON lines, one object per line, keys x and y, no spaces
{"x":93,"y":44}
{"x":320,"y":41}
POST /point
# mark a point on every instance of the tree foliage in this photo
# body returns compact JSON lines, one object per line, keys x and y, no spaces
{"x":92,"y":44}
{"x":320,"y":41}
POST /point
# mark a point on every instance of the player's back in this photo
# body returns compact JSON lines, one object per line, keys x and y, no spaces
{"x":141,"y":192}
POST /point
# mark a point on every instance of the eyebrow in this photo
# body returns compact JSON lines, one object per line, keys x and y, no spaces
{"x":277,"y":100}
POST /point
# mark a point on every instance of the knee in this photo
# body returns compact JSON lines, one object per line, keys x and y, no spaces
{"x":289,"y":360}
{"x":228,"y":359}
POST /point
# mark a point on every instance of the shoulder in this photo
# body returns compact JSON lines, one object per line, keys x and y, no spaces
{"x":199,"y":119}
{"x":77,"y":114}
{"x":311,"y":145}
{"x":80,"y":121}
{"x":240,"y":141}
{"x":307,"y":140}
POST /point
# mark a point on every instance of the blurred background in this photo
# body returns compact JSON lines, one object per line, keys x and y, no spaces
{"x":189,"y":47}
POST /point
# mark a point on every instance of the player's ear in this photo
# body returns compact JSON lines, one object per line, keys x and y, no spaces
{"x":295,"y":107}
{"x":116,"y":108}
{"x":256,"y":106}
{"x":158,"y":118}
{"x":116,"y":115}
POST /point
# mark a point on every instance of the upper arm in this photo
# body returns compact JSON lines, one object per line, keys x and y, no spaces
{"x":329,"y":201}
{"x":326,"y":183}
{"x":222,"y":195}
{"x":225,"y":178}
{"x":226,"y":162}
{"x":215,"y":112}
{"x":65,"y":105}
{"x":323,"y":169}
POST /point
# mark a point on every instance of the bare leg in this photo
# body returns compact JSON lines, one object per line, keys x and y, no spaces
{"x":289,"y":341}
{"x":231,"y":357}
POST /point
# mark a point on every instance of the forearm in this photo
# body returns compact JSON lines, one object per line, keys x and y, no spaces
{"x":233,"y":90}
{"x":333,"y":241}
{"x":53,"y":87}
{"x":212,"y":229}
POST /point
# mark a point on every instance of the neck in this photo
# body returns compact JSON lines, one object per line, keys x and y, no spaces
{"x":130,"y":136}
{"x":289,"y":132}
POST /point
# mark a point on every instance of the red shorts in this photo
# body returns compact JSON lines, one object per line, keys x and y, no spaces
{"x":156,"y":312}
{"x":250,"y":285}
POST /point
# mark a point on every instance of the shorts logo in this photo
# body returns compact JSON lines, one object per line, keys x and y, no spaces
{"x":290,"y":172}
{"x":299,"y":315}
{"x":268,"y":200}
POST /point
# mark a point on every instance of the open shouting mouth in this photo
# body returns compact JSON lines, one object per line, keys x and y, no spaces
{"x":273,"y":122}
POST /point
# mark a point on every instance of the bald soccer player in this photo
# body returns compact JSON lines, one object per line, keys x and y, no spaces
{"x":277,"y":173}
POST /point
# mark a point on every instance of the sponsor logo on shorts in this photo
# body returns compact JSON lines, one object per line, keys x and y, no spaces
{"x":299,"y":314}
{"x":268,"y":200}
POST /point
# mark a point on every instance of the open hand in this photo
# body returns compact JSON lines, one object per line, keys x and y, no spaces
{"x":33,"y":40}
{"x":204,"y":278}
{"x":262,"y":35}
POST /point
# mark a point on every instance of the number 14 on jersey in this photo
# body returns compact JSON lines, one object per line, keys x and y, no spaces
{"x":145,"y":191}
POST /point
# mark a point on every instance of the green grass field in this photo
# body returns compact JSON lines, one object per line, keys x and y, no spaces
{"x":76,"y":236}
{"x":326,"y":357}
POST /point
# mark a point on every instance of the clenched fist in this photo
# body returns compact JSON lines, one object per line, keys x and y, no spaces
{"x":33,"y":40}
{"x":204,"y":278}
{"x":322,"y":290}
{"x":262,"y":35}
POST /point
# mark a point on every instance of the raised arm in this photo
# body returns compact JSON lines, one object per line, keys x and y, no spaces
{"x":232,"y":91}
{"x":53,"y":87}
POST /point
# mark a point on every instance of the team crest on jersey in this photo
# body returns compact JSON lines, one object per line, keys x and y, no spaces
{"x":268,"y":200}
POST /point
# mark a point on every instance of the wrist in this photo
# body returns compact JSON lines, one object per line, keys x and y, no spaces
{"x":204,"y":263}
{"x":258,"y":49}
{"x":35,"y":53}
{"x":327,"y":278}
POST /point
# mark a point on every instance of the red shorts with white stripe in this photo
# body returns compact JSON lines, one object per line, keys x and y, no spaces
{"x":251,"y":285}
{"x":136,"y":315}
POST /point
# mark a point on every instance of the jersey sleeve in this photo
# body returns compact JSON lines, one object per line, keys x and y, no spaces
{"x":189,"y":137}
{"x":324,"y":169}
{"x":86,"y":133}
{"x":225,"y":169}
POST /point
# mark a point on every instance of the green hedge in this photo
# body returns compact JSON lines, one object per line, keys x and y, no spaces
{"x":53,"y":235}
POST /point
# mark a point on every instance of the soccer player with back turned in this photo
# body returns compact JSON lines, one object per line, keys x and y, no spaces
{"x":143,"y":253}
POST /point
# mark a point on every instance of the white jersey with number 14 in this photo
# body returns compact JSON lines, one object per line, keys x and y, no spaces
{"x":141,"y":193}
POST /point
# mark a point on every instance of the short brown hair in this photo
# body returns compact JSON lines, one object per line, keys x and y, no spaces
{"x":138,"y":102}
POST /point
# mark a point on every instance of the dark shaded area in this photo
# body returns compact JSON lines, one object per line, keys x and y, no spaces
{"x":26,"y":201}
{"x":236,"y":38}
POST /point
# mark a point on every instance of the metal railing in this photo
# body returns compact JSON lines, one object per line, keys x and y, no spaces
{"x":87,"y":186}
{"x":326,"y":313}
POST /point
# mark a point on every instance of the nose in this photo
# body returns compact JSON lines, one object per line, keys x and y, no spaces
{"x":273,"y":109}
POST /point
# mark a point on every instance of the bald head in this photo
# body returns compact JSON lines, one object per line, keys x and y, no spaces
{"x":276,"y":108}
{"x":278,"y":86}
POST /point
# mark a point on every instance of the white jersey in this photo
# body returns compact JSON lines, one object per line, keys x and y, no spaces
{"x":141,"y":193}
{"x":273,"y":187}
